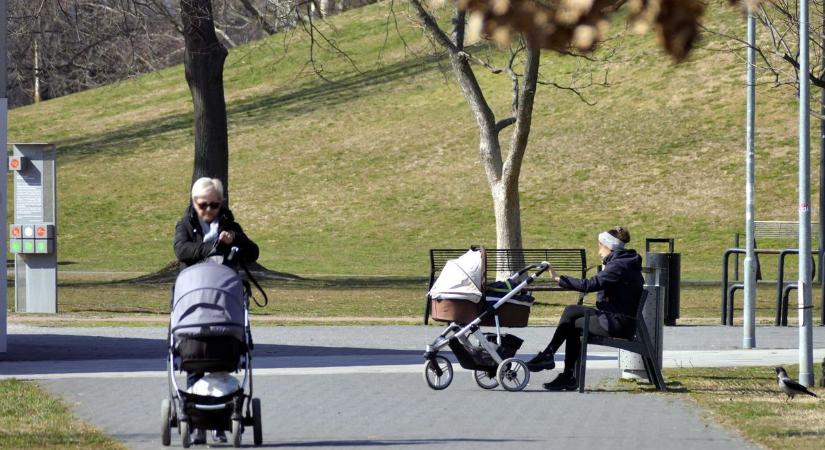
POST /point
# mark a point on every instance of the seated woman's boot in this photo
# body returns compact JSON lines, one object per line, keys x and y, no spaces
{"x":564,"y":382}
{"x":543,"y":361}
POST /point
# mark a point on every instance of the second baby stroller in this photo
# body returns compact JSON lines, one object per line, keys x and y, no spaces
{"x":209,"y":333}
{"x":461,"y":297}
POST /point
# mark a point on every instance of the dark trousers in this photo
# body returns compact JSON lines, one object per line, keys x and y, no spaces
{"x":569,"y":330}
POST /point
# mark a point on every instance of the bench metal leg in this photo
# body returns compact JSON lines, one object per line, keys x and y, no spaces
{"x":427,"y":310}
{"x":654,"y":374}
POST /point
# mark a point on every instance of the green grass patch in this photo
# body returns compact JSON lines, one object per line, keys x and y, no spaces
{"x":748,"y":400}
{"x":32,"y":418}
{"x":363,"y":174}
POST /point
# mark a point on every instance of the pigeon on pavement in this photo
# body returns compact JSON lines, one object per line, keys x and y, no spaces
{"x":789,"y":386}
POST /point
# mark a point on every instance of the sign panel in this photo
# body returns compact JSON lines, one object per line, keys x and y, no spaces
{"x":32,"y":236}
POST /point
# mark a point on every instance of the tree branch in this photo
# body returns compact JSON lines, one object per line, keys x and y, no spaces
{"x":431,"y":25}
{"x":524,"y":116}
{"x":504,"y":123}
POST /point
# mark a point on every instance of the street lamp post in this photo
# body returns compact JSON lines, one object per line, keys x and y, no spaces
{"x":806,"y":376}
{"x":4,"y":110}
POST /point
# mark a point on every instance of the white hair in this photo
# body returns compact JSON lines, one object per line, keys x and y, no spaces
{"x":202,"y":186}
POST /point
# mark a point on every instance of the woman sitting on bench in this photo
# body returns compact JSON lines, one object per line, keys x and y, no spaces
{"x":619,"y":285}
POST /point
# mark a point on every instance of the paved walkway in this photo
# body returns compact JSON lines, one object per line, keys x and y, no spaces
{"x":334,"y":387}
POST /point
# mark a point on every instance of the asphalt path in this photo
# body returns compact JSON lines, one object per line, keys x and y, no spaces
{"x":361,"y":387}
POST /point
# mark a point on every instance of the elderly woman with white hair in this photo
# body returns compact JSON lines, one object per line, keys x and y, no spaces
{"x":208,"y":228}
{"x":619,"y":286}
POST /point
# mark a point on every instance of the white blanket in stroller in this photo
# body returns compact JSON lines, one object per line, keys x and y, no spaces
{"x":215,"y":384}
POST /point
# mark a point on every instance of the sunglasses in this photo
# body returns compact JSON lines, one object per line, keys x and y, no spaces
{"x":205,"y":205}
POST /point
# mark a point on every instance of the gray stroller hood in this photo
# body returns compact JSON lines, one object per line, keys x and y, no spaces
{"x":208,"y":301}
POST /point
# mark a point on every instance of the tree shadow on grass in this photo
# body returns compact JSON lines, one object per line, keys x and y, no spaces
{"x":310,"y":96}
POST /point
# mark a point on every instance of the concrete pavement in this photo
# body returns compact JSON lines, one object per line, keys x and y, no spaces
{"x":334,"y":387}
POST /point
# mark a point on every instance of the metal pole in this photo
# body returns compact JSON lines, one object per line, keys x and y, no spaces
{"x":749,"y":325}
{"x":806,"y":376}
{"x":3,"y":186}
{"x":822,"y":193}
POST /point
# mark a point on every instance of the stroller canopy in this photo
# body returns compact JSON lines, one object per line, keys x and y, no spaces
{"x":208,"y":301}
{"x":461,"y":278}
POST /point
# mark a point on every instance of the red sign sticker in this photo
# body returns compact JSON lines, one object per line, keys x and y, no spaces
{"x":15,"y":231}
{"x":41,"y":232}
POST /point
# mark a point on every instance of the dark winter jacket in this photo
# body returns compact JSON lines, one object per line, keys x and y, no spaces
{"x":619,"y":287}
{"x":190,"y":248}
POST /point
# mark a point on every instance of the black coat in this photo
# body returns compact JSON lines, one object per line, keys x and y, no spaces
{"x":190,"y":248}
{"x":619,"y":286}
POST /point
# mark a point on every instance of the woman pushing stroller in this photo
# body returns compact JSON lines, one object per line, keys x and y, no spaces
{"x":208,"y":232}
{"x":619,"y":286}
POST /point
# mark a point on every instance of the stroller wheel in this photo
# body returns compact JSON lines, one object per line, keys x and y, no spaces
{"x":257,"y":426}
{"x":236,"y":433}
{"x":484,"y":380}
{"x":185,"y":437}
{"x":513,"y":374}
{"x":438,"y":373}
{"x":165,"y":422}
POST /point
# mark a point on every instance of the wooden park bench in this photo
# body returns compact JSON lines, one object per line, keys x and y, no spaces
{"x":568,"y":261}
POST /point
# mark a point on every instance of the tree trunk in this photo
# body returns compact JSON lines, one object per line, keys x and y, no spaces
{"x":203,"y":64}
{"x":37,"y":96}
{"x":508,"y":214}
{"x":502,"y":175}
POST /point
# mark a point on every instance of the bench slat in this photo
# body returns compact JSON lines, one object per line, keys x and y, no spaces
{"x":565,"y":260}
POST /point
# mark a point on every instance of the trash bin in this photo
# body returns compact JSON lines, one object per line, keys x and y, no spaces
{"x":670,"y":263}
{"x":631,"y":365}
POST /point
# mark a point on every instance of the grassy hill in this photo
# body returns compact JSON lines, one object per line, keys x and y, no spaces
{"x":363,"y":174}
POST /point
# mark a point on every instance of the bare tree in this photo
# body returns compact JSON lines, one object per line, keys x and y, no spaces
{"x":64,"y":47}
{"x":502,"y":169}
{"x":777,"y":48}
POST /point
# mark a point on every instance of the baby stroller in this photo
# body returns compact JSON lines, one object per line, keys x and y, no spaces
{"x":461,"y":297}
{"x":209,"y":332}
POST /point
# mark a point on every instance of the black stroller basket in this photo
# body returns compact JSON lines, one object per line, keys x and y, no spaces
{"x":210,"y":353}
{"x":472,"y":357}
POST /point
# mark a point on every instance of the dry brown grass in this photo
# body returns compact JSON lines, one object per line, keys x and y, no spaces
{"x":748,"y":400}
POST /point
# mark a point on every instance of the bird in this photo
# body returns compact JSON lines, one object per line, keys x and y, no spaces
{"x":789,"y":386}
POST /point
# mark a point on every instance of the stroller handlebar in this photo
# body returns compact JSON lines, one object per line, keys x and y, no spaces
{"x":542,"y":267}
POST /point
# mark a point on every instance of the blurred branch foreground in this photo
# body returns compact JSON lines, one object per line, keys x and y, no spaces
{"x":582,"y":24}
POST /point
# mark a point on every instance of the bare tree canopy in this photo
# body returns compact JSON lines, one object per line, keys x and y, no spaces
{"x":777,"y":46}
{"x":57,"y":47}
